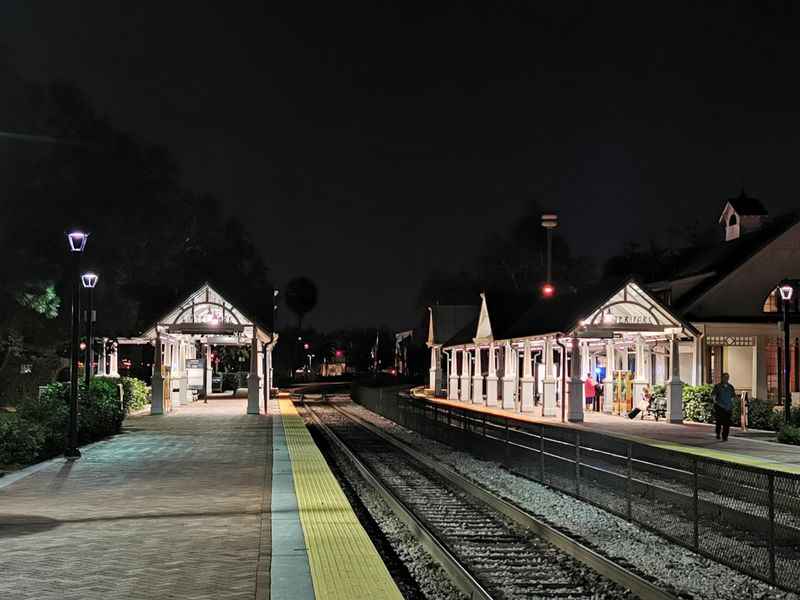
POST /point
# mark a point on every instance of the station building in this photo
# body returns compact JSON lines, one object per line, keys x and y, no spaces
{"x":718,"y":313}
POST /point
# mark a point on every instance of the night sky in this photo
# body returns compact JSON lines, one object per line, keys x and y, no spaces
{"x":365,"y":147}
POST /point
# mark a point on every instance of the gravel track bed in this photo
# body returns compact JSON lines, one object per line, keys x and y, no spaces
{"x":429,"y":579}
{"x":653,"y":557}
{"x":509,"y":561}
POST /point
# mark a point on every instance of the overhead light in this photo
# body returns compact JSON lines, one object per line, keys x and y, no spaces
{"x":77,"y":240}
{"x":89,"y":280}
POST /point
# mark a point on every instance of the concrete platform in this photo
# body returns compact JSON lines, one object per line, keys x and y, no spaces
{"x":756,"y":448}
{"x":206,"y":503}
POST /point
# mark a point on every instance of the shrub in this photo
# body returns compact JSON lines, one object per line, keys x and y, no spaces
{"x":789,"y":434}
{"x":697,"y":404}
{"x":136,"y":394}
{"x":21,"y":441}
{"x":50,"y":411}
{"x":101,"y":412}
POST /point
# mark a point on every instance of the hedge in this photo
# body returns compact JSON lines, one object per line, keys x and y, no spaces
{"x":38,"y":430}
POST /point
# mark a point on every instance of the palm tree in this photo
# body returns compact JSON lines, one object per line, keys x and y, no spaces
{"x":301,"y":297}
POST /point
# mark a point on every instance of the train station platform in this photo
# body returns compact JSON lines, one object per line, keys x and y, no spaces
{"x":206,"y":503}
{"x":753,"y":447}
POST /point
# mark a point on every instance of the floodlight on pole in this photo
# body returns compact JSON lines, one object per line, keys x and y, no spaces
{"x":549,"y":222}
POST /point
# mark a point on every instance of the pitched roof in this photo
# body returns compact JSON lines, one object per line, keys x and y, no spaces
{"x":744,"y":205}
{"x":722,"y":258}
{"x":449,"y":319}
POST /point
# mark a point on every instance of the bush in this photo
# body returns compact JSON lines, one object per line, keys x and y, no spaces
{"x":50,"y":411}
{"x":789,"y":434}
{"x":136,"y":394}
{"x":21,"y":441}
{"x":101,"y":412}
{"x":697,"y":404}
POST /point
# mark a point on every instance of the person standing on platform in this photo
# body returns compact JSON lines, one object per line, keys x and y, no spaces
{"x":588,"y":391}
{"x":723,"y":395}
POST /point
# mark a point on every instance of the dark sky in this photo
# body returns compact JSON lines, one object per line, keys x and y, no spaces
{"x":363,"y":147}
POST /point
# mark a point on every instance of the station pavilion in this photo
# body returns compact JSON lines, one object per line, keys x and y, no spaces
{"x":535,"y":359}
{"x":182,"y":359}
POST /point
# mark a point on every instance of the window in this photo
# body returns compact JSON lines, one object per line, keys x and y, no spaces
{"x":771,"y":303}
{"x":732,"y":220}
{"x":774,"y":304}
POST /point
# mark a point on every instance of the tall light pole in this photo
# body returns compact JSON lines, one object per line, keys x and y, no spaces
{"x":77,"y":243}
{"x":89,"y":280}
{"x":786,"y":290}
{"x":549,"y":222}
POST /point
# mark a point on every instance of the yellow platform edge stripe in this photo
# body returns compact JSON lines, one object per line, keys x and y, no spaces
{"x":343,"y":561}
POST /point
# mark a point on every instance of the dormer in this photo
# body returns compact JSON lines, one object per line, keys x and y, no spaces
{"x":742,"y":215}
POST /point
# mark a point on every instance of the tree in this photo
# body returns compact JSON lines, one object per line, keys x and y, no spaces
{"x":301,"y":297}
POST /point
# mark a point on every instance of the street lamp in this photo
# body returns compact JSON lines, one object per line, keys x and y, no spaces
{"x":77,"y":242}
{"x":786,"y":290}
{"x":89,"y":280}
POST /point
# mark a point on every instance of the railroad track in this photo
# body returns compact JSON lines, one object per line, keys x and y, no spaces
{"x":490,"y":548}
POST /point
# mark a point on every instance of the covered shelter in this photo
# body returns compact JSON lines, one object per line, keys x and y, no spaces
{"x":536,"y":357}
{"x":182,"y":359}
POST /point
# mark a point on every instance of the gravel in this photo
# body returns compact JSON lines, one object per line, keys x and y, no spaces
{"x":677,"y":568}
{"x":432,"y":581}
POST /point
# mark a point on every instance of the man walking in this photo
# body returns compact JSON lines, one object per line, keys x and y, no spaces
{"x":723,"y":395}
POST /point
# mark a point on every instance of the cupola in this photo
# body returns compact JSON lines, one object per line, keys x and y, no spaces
{"x":742,"y":215}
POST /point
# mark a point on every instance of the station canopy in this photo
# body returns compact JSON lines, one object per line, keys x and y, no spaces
{"x":207,"y":314}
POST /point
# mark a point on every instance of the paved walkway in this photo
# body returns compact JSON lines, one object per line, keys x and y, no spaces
{"x":751,"y":448}
{"x":173,"y":508}
{"x":206,"y":503}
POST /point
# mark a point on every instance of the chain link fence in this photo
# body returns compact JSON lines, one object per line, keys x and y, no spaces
{"x":745,"y":517}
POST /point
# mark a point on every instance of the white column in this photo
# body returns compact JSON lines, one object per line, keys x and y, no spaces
{"x":181,"y":374}
{"x":759,"y":386}
{"x":465,"y":376}
{"x":586,"y":364}
{"x":640,"y":379}
{"x":101,"y":358}
{"x":576,"y":401}
{"x":433,"y":372}
{"x":157,"y":383}
{"x":549,"y":381}
{"x":477,"y":379}
{"x":453,"y":388}
{"x":527,"y":378}
{"x":253,"y":380}
{"x":675,"y":385}
{"x":608,"y":382}
{"x":491,"y":377}
{"x":113,"y":361}
{"x":509,"y":377}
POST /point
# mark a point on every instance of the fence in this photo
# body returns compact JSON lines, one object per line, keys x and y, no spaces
{"x":745,"y":517}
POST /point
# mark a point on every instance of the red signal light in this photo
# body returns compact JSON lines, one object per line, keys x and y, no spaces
{"x":548,"y":290}
{"x":339,"y":354}
{"x":306,"y":346}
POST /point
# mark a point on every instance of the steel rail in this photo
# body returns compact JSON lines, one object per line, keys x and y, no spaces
{"x":599,"y":563}
{"x":458,"y":573}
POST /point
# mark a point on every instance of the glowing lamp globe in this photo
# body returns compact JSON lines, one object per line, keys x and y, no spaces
{"x":89,"y":280}
{"x":77,"y":240}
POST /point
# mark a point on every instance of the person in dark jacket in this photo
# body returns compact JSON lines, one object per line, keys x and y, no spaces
{"x":723,"y":396}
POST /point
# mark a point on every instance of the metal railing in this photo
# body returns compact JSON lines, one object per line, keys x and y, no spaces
{"x":745,"y":517}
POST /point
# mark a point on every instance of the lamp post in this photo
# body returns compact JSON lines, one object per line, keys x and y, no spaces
{"x":786,"y":290}
{"x":77,"y":243}
{"x":89,"y":280}
{"x":549,"y":222}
